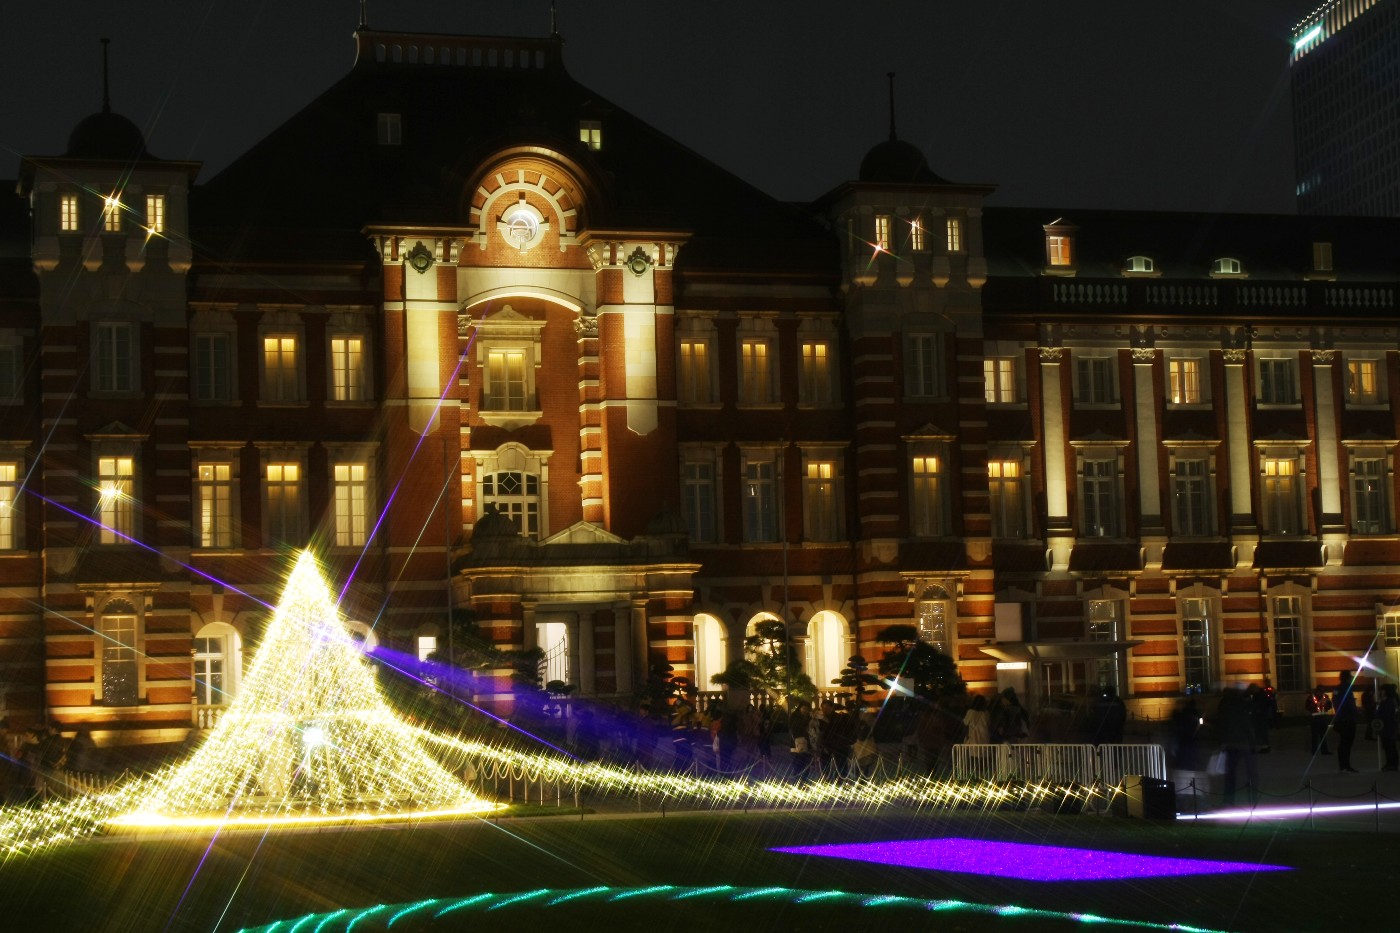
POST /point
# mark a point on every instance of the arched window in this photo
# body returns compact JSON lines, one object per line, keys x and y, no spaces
{"x":217,"y":662}
{"x":710,"y":651}
{"x":363,"y":634}
{"x":828,"y":648}
{"x":933,"y":618}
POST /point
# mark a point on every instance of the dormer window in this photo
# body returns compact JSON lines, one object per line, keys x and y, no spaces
{"x":1058,"y":250}
{"x":1139,"y":264}
{"x":390,"y":129}
{"x":1322,"y":257}
{"x":882,"y":232}
{"x":590,"y":133}
{"x":1226,"y":266}
{"x":1060,"y":254}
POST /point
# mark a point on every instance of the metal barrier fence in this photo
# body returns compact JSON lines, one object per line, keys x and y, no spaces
{"x":1058,"y":764}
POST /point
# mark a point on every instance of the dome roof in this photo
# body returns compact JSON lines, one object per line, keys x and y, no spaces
{"x":897,"y":162}
{"x":107,"y":135}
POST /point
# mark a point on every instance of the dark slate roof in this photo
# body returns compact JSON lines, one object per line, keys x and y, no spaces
{"x":107,"y":136}
{"x":318,"y":179}
{"x":896,"y":162}
{"x":1183,"y":245}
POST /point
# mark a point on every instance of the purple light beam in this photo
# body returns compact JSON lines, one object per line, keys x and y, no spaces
{"x":1024,"y":861}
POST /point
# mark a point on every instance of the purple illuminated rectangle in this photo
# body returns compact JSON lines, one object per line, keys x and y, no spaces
{"x":1024,"y":861}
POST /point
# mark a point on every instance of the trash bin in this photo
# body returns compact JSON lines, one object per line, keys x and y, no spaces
{"x":1150,"y":798}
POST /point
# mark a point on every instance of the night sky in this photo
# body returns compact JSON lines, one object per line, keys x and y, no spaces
{"x":1151,"y":104}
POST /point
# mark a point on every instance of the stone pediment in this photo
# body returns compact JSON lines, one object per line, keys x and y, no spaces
{"x":117,"y":429}
{"x":583,"y":533}
{"x":929,"y":432}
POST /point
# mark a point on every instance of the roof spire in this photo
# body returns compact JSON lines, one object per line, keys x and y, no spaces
{"x":890,"y":75}
{"x":364,"y":14}
{"x":553,"y":19}
{"x":106,"y":97}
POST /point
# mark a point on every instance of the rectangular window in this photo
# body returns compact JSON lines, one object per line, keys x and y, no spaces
{"x":1370,"y":512}
{"x":1363,"y":382}
{"x":114,"y":351}
{"x":280,"y":382}
{"x":212,"y":368}
{"x":590,"y":133}
{"x":1184,"y":381}
{"x":760,"y":501}
{"x":68,"y":213}
{"x":1095,"y":376}
{"x":1057,"y":250}
{"x":282,"y":522}
{"x":882,"y":232}
{"x":815,"y":385}
{"x":112,"y":215}
{"x":347,"y":369}
{"x":916,"y":234}
{"x":1191,"y":497}
{"x":516,"y":495}
{"x":1322,"y":257}
{"x":9,"y":506}
{"x":115,"y":476}
{"x":507,"y":383}
{"x":120,"y":681}
{"x":821,"y":501}
{"x":209,"y":672}
{"x":351,"y":504}
{"x":926,"y":512}
{"x":215,"y":505}
{"x":1390,"y":629}
{"x":756,"y":378}
{"x":921,"y":369}
{"x":1290,"y":667}
{"x":1198,"y":650}
{"x":1099,"y":484}
{"x":1280,"y":495}
{"x":693,"y":379}
{"x":1008,"y":503}
{"x":999,"y":380}
{"x":390,"y":129}
{"x":955,"y":238}
{"x":155,"y":213}
{"x":1278,"y":381}
{"x":1106,"y":625}
{"x":698,"y":492}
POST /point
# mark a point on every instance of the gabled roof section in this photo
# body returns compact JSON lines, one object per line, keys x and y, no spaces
{"x":316,"y":181}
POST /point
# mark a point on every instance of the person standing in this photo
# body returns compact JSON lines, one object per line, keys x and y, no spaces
{"x":1344,"y":718}
{"x":1388,"y":723}
{"x":1319,"y":717}
{"x":1237,"y":742}
{"x":978,"y":722}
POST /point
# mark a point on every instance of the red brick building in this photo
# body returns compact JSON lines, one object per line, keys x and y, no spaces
{"x":485,"y":340}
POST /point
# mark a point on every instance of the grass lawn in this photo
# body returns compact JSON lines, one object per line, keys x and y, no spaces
{"x":236,"y":880}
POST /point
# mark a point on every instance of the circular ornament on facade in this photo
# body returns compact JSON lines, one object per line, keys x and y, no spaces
{"x":522,"y":226}
{"x":639,"y":262}
{"x":420,"y":258}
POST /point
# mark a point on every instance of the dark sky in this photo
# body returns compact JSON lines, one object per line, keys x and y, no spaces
{"x":1152,"y":104}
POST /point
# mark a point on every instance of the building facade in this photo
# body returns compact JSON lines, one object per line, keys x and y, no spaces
{"x":1345,"y":77}
{"x":487,"y":342}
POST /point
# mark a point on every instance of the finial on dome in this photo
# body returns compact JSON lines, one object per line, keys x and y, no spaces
{"x":890,"y":75}
{"x":106,"y":97}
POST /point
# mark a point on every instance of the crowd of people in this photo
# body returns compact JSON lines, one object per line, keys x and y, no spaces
{"x":40,"y":762}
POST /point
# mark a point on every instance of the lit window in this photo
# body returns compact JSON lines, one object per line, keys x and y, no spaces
{"x":212,"y":368}
{"x":347,"y":369}
{"x":507,"y":384}
{"x":1363,"y":382}
{"x":955,"y":237}
{"x":1184,"y":381}
{"x":351,"y":504}
{"x":694,"y":380}
{"x":115,"y":476}
{"x":282,"y":520}
{"x":1390,"y":629}
{"x":1280,"y":496}
{"x":1191,"y":496}
{"x":815,"y":385}
{"x":1369,"y":507}
{"x":926,"y":510}
{"x":1322,"y":257}
{"x":1058,"y":251}
{"x":1007,"y":499}
{"x":427,"y":645}
{"x":916,"y":234}
{"x":882,"y":232}
{"x":1106,"y":625}
{"x":209,"y":672}
{"x":1096,"y":377}
{"x":755,"y":374}
{"x":155,"y":213}
{"x":114,"y":357}
{"x":921,"y":369}
{"x":515,"y":495}
{"x":120,"y":683}
{"x":112,"y":214}
{"x":1198,"y":645}
{"x":698,"y":500}
{"x":760,"y":493}
{"x":215,"y":505}
{"x":931,"y":614}
{"x":1278,"y":381}
{"x":280,"y":377}
{"x":68,"y":213}
{"x":821,"y":501}
{"x":1226,"y":266}
{"x":1290,"y":662}
{"x":1139,"y":264}
{"x":1099,"y":490}
{"x":390,"y":128}
{"x":9,"y":506}
{"x":999,"y":380}
{"x":590,"y":133}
